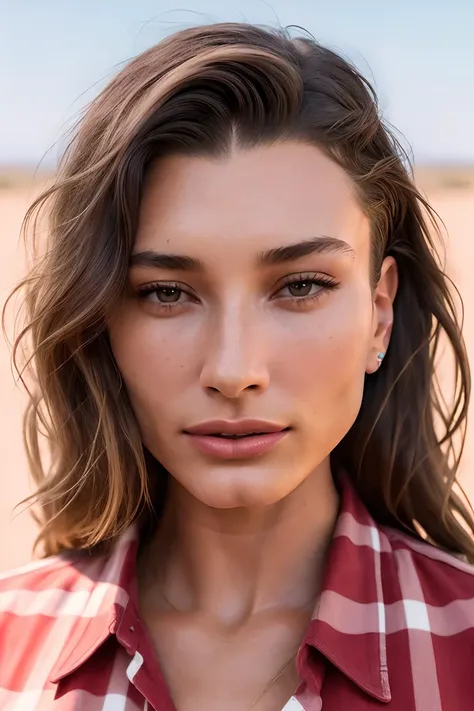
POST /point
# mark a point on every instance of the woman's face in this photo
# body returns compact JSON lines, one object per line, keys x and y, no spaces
{"x":251,"y":300}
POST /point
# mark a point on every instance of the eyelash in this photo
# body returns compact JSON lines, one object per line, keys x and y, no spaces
{"x":326,"y":283}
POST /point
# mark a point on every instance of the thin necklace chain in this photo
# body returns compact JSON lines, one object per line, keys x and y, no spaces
{"x":272,"y":681}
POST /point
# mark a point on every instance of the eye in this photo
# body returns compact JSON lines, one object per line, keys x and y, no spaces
{"x":166,"y":295}
{"x":302,"y":288}
{"x":305,"y":287}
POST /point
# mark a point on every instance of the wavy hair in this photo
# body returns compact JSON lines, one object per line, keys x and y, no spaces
{"x":199,"y":92}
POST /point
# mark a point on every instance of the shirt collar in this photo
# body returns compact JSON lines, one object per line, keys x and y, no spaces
{"x":112,"y":585}
{"x":348,"y":625}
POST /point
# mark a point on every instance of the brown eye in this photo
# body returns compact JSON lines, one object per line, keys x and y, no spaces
{"x":165,"y":295}
{"x":168,"y":294}
{"x":301,"y":288}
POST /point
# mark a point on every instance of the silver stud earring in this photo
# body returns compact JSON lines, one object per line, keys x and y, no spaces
{"x":380,"y":357}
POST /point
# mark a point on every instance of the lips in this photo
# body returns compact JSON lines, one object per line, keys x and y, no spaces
{"x":236,"y":440}
{"x":235,"y":428}
{"x":236,"y":436}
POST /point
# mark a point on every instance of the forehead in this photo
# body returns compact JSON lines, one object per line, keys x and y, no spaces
{"x":252,"y":198}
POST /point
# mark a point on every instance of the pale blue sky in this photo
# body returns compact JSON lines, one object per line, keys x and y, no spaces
{"x":56,"y":54}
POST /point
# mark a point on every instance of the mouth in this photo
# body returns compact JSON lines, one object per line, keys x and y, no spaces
{"x":235,"y":428}
{"x":236,"y":440}
{"x":236,"y":436}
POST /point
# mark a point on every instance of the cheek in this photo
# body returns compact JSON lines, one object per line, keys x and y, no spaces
{"x":150,"y":360}
{"x":329,"y":351}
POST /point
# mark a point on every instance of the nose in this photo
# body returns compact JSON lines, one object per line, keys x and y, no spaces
{"x":235,"y":358}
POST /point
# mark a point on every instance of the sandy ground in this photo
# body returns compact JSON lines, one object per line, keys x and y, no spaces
{"x":451,"y":193}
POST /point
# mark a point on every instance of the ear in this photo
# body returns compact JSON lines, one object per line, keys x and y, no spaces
{"x":383,"y":298}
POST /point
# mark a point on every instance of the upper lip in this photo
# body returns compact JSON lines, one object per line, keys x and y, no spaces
{"x":234,"y":427}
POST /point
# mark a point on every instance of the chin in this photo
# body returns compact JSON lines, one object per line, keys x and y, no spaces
{"x":243,"y":488}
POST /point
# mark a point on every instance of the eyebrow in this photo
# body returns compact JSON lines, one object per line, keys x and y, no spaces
{"x":314,"y":245}
{"x":272,"y":257}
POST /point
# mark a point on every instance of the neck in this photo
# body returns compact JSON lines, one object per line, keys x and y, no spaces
{"x":234,"y":563}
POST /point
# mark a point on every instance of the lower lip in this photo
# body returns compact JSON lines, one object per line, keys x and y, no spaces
{"x":243,"y":448}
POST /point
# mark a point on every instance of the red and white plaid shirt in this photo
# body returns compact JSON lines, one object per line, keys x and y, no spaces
{"x":393,"y":629}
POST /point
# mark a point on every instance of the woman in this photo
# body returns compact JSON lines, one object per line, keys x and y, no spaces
{"x":248,"y":501}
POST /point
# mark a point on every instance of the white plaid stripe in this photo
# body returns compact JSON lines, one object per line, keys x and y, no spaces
{"x":377,"y":547}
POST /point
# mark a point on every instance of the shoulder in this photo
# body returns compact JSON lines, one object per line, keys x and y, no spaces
{"x":74,"y":584}
{"x":428,"y":575}
{"x":48,"y":611}
{"x":38,"y":602}
{"x":68,"y":584}
{"x":36,"y":598}
{"x":42,"y":586}
{"x":57,"y":610}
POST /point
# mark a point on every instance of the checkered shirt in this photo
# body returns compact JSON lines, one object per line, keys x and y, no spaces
{"x":393,"y":629}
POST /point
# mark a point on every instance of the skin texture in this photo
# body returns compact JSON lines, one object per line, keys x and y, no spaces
{"x":228,"y":583}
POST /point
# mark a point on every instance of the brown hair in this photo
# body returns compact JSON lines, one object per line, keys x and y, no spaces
{"x":201,"y":91}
